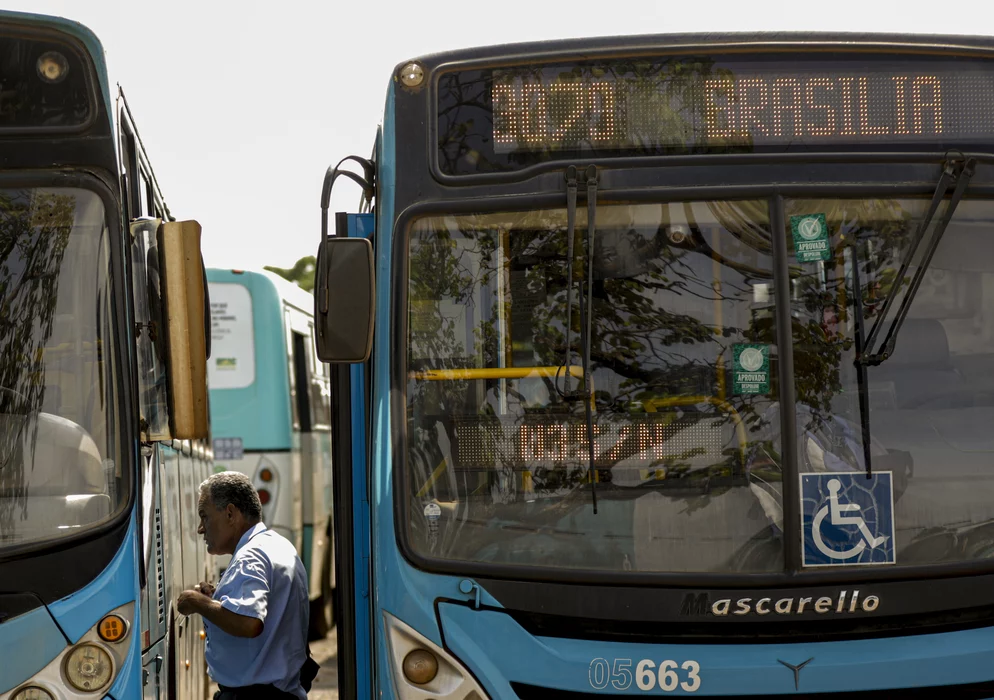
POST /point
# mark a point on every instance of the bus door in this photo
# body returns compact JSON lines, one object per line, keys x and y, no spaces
{"x":300,"y":416}
{"x":311,"y":436}
{"x":350,"y":391}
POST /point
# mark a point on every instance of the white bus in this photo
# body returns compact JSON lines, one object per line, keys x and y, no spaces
{"x":270,"y":403}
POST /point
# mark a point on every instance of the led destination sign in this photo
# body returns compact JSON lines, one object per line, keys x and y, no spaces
{"x":548,"y":109}
{"x":506,"y":118}
{"x":639,"y":441}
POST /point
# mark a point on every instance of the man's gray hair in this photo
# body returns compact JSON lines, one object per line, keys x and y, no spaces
{"x":236,"y":489}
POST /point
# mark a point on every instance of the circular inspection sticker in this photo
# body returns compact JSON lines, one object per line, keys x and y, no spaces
{"x":751,"y":359}
{"x":433,"y":511}
{"x":810,"y":228}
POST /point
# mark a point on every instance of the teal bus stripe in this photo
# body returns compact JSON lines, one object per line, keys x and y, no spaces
{"x":308,"y":542}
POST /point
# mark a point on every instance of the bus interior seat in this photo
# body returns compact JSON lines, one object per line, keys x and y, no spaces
{"x":920,"y":367}
{"x":975,"y":367}
{"x":57,"y":443}
{"x":51,"y":401}
{"x":46,"y":515}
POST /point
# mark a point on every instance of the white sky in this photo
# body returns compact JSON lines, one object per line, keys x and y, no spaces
{"x":243,"y":104}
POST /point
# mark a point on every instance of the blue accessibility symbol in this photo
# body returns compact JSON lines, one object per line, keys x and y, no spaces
{"x":847,"y":518}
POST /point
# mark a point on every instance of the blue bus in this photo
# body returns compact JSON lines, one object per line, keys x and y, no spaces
{"x":270,"y":414}
{"x":661,"y":366}
{"x":103,"y":397}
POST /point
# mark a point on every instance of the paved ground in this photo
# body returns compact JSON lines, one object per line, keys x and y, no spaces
{"x":325,"y":652}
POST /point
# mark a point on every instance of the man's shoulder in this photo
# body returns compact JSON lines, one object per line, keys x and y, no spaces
{"x":273,"y":540}
{"x":248,"y":559}
{"x":272,"y":535}
{"x":276,"y":546}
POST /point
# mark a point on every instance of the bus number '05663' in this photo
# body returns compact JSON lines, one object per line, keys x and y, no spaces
{"x":669,"y":675}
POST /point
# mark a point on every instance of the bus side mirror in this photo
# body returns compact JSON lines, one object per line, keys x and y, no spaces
{"x":183,"y":295}
{"x":344,"y":298}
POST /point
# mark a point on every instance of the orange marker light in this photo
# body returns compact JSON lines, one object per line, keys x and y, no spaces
{"x":266,"y":475}
{"x":112,"y":628}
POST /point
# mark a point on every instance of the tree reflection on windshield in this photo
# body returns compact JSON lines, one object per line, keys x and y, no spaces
{"x":929,"y":403}
{"x":684,"y":371}
{"x":687,"y":443}
{"x":497,"y":454}
{"x":55,"y":471}
{"x":33,"y":239}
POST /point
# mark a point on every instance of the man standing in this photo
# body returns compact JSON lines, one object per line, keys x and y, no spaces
{"x":256,"y":619}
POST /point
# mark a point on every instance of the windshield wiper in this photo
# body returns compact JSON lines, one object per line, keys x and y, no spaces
{"x":864,"y":394}
{"x":569,"y":394}
{"x":586,"y":309}
{"x":954,"y":170}
{"x":587,"y":314}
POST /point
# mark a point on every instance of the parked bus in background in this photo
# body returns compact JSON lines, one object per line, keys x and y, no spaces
{"x":103,"y":398}
{"x":270,"y":414}
{"x":681,"y":376}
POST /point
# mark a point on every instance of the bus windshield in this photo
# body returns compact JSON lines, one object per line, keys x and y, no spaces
{"x":688,"y":454}
{"x":58,"y":468}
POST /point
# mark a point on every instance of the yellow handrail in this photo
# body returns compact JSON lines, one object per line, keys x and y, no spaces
{"x":439,"y":470}
{"x":464,"y":373}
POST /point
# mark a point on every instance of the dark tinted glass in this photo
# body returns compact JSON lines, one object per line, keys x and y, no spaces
{"x":42,"y":84}
{"x":508,"y":118}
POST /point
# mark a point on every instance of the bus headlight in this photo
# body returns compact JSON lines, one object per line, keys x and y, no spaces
{"x":53,"y":67}
{"x":33,"y":693}
{"x":420,"y":666}
{"x":88,"y":668}
{"x":423,"y":670}
{"x":412,"y":75}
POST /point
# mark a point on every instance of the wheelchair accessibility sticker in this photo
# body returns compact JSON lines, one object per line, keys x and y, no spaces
{"x":847,"y":519}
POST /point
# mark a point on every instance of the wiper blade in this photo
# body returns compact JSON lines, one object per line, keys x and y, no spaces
{"x":864,"y":394}
{"x":587,"y":314}
{"x":955,"y":170}
{"x":586,"y":309}
{"x":570,"y":234}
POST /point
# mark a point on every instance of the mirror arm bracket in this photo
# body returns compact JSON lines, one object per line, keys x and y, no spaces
{"x":367,"y":181}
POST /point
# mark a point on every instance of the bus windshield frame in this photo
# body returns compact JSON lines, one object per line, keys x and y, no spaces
{"x":884,"y":461}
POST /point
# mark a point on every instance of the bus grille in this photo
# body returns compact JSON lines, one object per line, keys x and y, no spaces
{"x":159,"y":567}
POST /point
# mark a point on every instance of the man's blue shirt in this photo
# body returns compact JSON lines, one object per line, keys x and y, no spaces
{"x":265,"y":580}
